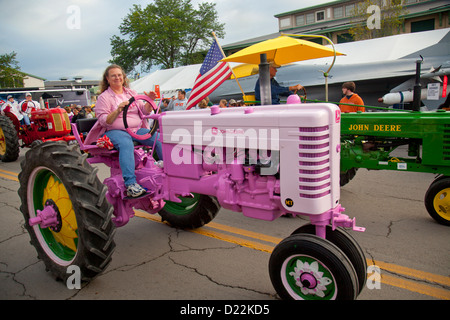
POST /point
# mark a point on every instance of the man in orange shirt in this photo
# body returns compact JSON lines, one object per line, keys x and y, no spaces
{"x":350,"y":97}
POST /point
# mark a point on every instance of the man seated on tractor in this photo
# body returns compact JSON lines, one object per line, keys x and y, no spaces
{"x":275,"y":88}
{"x":114,"y":96}
{"x":11,"y":109}
{"x":26,"y":106}
{"x":12,"y":106}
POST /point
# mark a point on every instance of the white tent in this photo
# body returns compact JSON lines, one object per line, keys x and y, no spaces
{"x":169,"y":80}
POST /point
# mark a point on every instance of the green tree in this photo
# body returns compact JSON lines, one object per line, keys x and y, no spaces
{"x":10,"y":76}
{"x":377,"y":18}
{"x":166,"y":33}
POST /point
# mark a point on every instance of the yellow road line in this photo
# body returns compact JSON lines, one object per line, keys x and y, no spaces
{"x":7,"y":176}
{"x":9,"y":172}
{"x":412,"y":272}
{"x":232,"y":239}
{"x":243,"y":232}
{"x":415,"y":287}
{"x":409,"y":285}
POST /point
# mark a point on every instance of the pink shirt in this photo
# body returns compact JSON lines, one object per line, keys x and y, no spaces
{"x":107,"y":102}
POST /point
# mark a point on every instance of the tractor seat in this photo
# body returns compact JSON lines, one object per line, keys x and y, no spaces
{"x":85,"y":125}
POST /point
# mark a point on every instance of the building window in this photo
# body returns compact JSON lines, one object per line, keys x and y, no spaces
{"x":285,"y":22}
{"x":349,"y":10}
{"x":320,"y":16}
{"x":300,"y":20}
{"x":423,"y":25}
{"x":310,"y":18}
{"x":344,"y":37}
{"x":338,"y":13}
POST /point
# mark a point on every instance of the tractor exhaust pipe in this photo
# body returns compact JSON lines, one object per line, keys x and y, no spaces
{"x":417,"y":87}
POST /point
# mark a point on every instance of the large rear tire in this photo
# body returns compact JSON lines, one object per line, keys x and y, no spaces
{"x":437,"y":200}
{"x":347,"y":176}
{"x":9,"y":141}
{"x":57,"y":173}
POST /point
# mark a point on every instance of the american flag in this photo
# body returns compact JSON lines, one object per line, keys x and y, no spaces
{"x":212,"y":74}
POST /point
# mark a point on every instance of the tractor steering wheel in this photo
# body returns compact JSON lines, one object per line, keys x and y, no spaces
{"x":304,"y":91}
{"x":155,"y":122}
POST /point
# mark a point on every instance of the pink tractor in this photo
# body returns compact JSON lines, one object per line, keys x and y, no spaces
{"x":264,"y":161}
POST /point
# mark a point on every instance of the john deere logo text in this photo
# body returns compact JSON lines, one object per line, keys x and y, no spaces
{"x":376,"y":127}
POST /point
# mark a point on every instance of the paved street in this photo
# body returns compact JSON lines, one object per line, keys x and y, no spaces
{"x":228,"y":258}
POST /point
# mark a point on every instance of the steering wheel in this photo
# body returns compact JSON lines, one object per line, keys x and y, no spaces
{"x":155,"y":122}
{"x":304,"y":91}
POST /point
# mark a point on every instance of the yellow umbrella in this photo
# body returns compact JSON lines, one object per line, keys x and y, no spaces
{"x":282,"y":50}
{"x":244,"y":70}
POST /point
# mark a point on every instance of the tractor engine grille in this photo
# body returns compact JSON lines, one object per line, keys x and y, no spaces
{"x":446,"y":143}
{"x":314,"y":162}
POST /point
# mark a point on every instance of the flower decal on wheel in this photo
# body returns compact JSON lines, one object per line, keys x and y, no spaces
{"x":309,"y":279}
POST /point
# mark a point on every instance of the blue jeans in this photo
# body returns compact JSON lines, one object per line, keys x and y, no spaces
{"x":123,"y":142}
{"x":26,"y":120}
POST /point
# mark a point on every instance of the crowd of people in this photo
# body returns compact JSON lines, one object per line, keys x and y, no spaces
{"x":76,"y":112}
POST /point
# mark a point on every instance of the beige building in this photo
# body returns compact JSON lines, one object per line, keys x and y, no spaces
{"x":30,"y":81}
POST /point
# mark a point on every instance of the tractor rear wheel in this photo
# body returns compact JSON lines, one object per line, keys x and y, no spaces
{"x":9,"y":141}
{"x":192,"y":212}
{"x":347,"y":176}
{"x":437,"y":200}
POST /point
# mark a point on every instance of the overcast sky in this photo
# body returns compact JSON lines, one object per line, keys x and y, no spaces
{"x":51,"y":42}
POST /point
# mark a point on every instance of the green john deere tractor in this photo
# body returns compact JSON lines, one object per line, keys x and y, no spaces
{"x":369,"y":138}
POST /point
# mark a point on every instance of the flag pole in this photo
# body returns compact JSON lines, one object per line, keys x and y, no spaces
{"x":217,"y":40}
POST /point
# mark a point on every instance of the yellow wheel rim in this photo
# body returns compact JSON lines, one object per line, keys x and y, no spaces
{"x":60,"y":246}
{"x":441,"y":203}
{"x":2,"y":142}
{"x":56,"y":191}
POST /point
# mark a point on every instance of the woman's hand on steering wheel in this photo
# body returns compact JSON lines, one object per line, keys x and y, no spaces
{"x":122,"y":105}
{"x":151,"y":94}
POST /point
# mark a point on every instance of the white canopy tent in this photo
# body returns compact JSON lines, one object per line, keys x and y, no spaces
{"x":169,"y":80}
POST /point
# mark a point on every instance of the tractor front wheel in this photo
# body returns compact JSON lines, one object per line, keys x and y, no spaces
{"x":344,"y":241}
{"x":307,"y":267}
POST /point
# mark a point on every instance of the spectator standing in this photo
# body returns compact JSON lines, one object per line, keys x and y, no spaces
{"x":179,"y":103}
{"x":350,"y":97}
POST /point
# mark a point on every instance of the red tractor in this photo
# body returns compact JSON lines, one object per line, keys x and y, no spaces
{"x":46,"y":125}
